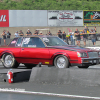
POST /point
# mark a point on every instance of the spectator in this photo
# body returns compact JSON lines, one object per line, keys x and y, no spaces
{"x":40,"y":33}
{"x":72,"y":38}
{"x":86,"y":29}
{"x":84,"y":37}
{"x":59,"y":34}
{"x":21,"y":33}
{"x":28,"y":33}
{"x":64,"y":36}
{"x":95,"y":29}
{"x":49,"y":33}
{"x":77,"y":35}
{"x":8,"y":34}
{"x":16,"y":34}
{"x":93,"y":36}
{"x":36,"y":32}
{"x":4,"y":36}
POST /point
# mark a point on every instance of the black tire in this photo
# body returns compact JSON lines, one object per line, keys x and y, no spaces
{"x":9,"y":61}
{"x":59,"y":64}
{"x":83,"y":66}
{"x":30,"y":65}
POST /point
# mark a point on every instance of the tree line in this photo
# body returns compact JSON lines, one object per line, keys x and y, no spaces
{"x":49,"y":5}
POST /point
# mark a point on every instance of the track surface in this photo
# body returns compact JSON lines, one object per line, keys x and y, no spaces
{"x":43,"y":91}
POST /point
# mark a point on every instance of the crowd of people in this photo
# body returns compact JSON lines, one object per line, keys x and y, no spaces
{"x":74,"y":36}
{"x":7,"y":35}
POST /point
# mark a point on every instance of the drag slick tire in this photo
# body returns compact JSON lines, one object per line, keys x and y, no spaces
{"x":61,"y":61}
{"x":30,"y":65}
{"x":83,"y":66}
{"x":9,"y":61}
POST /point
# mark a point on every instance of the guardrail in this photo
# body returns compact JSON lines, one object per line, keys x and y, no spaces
{"x":88,"y":42}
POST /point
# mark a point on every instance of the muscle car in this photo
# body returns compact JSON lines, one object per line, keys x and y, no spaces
{"x":47,"y":50}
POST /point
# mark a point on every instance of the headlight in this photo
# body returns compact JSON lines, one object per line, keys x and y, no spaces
{"x":82,"y":54}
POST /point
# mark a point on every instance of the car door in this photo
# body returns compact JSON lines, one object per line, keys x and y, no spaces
{"x":33,"y":51}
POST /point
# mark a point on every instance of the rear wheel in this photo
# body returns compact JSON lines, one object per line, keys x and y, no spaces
{"x":83,"y":66}
{"x":9,"y":61}
{"x":30,"y":65}
{"x":61,"y":62}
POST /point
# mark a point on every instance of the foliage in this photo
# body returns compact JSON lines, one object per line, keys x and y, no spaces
{"x":49,"y":4}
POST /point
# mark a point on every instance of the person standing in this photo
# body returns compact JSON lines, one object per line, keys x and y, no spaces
{"x":28,"y":33}
{"x":21,"y":33}
{"x":16,"y":34}
{"x":36,"y":32}
{"x":72,"y":38}
{"x":64,"y":36}
{"x":84,"y":37}
{"x":40,"y":33}
{"x":49,"y":33}
{"x":93,"y":36}
{"x":86,"y":30}
{"x":77,"y":35}
{"x":59,"y":34}
{"x":95,"y":29}
{"x":4,"y":37}
{"x":8,"y":34}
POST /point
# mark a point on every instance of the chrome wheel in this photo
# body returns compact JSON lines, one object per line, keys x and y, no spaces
{"x":8,"y":60}
{"x":61,"y":62}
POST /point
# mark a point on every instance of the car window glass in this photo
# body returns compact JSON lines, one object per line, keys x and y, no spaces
{"x":19,"y":41}
{"x":54,"y":41}
{"x":13,"y":42}
{"x":32,"y":42}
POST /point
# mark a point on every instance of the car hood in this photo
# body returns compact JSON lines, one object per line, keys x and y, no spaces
{"x":72,"y":48}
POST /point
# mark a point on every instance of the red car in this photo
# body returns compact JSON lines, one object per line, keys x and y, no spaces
{"x":48,"y":50}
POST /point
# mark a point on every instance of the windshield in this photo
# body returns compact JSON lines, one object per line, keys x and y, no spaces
{"x":54,"y":41}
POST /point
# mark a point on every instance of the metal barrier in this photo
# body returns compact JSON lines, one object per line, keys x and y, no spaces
{"x":88,"y":42}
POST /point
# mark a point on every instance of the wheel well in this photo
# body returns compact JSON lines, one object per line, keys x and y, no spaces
{"x":5,"y":53}
{"x":58,"y":55}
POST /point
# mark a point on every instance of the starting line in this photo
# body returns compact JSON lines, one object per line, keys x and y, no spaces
{"x":51,"y":94}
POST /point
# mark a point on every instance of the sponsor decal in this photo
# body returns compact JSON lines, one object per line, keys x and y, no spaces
{"x":46,"y":62}
{"x":66,"y":16}
{"x":4,"y":18}
{"x":13,"y":42}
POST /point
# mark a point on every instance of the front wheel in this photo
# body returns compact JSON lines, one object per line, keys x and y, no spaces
{"x":83,"y":66}
{"x":9,"y":61}
{"x":61,"y":62}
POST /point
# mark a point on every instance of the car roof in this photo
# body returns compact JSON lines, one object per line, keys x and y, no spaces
{"x":37,"y":36}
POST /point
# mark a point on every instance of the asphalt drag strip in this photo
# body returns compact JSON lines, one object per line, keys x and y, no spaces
{"x":72,"y":82}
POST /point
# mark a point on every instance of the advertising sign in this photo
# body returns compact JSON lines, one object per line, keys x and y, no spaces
{"x":4,"y":18}
{"x":65,"y":18}
{"x":91,"y":18}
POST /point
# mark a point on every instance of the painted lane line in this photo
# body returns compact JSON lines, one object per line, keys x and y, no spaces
{"x":51,"y":94}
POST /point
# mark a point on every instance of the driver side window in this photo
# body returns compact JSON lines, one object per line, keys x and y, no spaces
{"x":32,"y":42}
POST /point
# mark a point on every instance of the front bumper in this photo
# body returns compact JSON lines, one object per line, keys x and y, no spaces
{"x":87,"y":62}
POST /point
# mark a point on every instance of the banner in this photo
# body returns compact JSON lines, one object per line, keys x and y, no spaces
{"x":65,"y":18}
{"x":27,"y":18}
{"x":91,"y":18}
{"x":4,"y":18}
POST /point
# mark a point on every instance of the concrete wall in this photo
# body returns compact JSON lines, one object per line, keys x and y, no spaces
{"x":53,"y":30}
